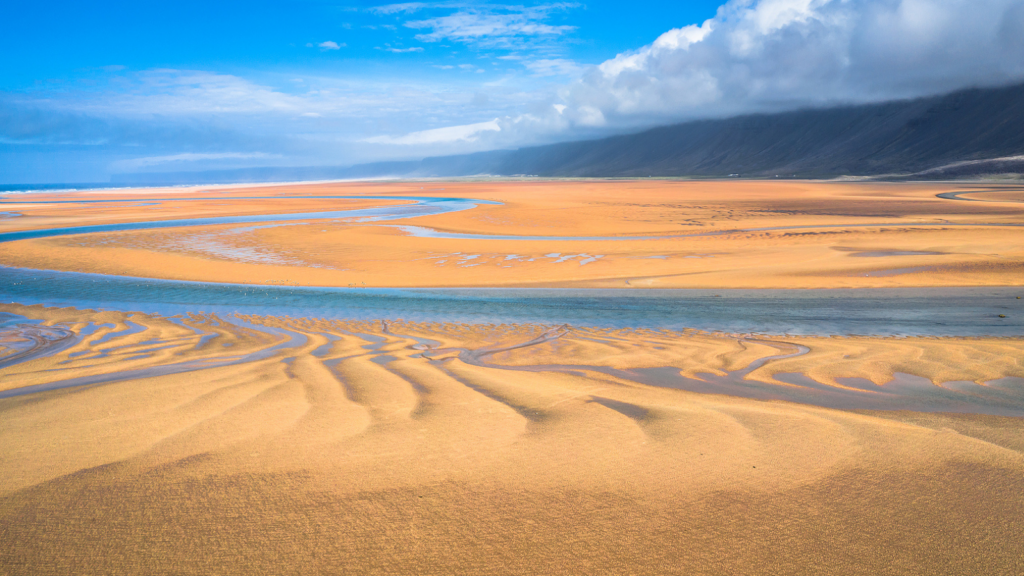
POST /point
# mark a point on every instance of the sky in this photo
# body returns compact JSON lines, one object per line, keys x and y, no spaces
{"x":92,"y":89}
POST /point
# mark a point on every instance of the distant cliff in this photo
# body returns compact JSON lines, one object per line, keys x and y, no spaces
{"x":968,"y":133}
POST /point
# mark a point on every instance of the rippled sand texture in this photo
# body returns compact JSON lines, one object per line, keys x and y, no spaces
{"x":732,"y":234}
{"x":371,"y":448}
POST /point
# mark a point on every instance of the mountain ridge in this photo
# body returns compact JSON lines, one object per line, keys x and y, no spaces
{"x":972,"y":132}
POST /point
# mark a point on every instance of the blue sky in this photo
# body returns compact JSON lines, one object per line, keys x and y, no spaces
{"x":91,"y":89}
{"x":66,"y":41}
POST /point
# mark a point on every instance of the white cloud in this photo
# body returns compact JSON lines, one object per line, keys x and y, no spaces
{"x":489,"y":26}
{"x":188,"y":92}
{"x":406,"y":8}
{"x":754,"y":55}
{"x":330,"y":45}
{"x":136,"y":163}
{"x":190,"y":96}
{"x":766,"y":55}
{"x":553,"y":67}
{"x":757,"y":56}
{"x":465,"y":133}
{"x":402,"y":50}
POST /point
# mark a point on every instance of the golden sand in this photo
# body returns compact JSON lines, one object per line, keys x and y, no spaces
{"x":192,"y":445}
{"x":837,"y":235}
{"x":407,"y":448}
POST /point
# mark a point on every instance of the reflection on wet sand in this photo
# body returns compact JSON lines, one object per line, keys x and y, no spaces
{"x":455,"y":443}
{"x":148,"y":346}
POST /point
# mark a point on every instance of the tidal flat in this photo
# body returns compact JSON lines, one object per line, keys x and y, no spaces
{"x":599,"y":377}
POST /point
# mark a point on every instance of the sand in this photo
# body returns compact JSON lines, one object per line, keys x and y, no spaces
{"x":440,"y":449}
{"x":838,"y":235}
{"x":208,"y":445}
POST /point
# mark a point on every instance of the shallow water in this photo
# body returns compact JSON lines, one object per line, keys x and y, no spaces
{"x":886,"y":312}
{"x":424,"y":232}
{"x":957,"y":195}
{"x":887,"y":253}
{"x":1001,"y":396}
{"x":898,"y":271}
{"x":422,"y":206}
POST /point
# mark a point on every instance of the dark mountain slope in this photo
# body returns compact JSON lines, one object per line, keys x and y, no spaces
{"x":891,"y":138}
{"x":894,"y":138}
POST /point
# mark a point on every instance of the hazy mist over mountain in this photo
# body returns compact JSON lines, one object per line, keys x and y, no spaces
{"x":326,"y":84}
{"x":966,"y":133}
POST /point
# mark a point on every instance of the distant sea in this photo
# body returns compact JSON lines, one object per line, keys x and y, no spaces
{"x":72,"y":187}
{"x":23,"y":188}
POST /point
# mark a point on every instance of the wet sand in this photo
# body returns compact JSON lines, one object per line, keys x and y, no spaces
{"x":437,"y":449}
{"x":704,"y":235}
{"x":242,"y":444}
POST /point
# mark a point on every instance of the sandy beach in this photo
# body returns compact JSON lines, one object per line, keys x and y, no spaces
{"x":439,"y":449}
{"x":639,"y":234}
{"x":209,"y":443}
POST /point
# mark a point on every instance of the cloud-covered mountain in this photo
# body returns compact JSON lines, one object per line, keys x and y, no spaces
{"x":443,"y":78}
{"x":965,"y":133}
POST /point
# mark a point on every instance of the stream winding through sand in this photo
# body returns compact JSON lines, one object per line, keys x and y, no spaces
{"x":964,"y":312}
{"x":883,"y":312}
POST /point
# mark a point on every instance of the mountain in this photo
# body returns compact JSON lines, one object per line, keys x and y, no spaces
{"x":968,"y":133}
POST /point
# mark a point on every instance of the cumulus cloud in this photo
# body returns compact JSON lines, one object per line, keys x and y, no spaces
{"x":767,"y":55}
{"x":774,"y":55}
{"x":754,"y":55}
{"x":402,"y":50}
{"x":330,"y":45}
